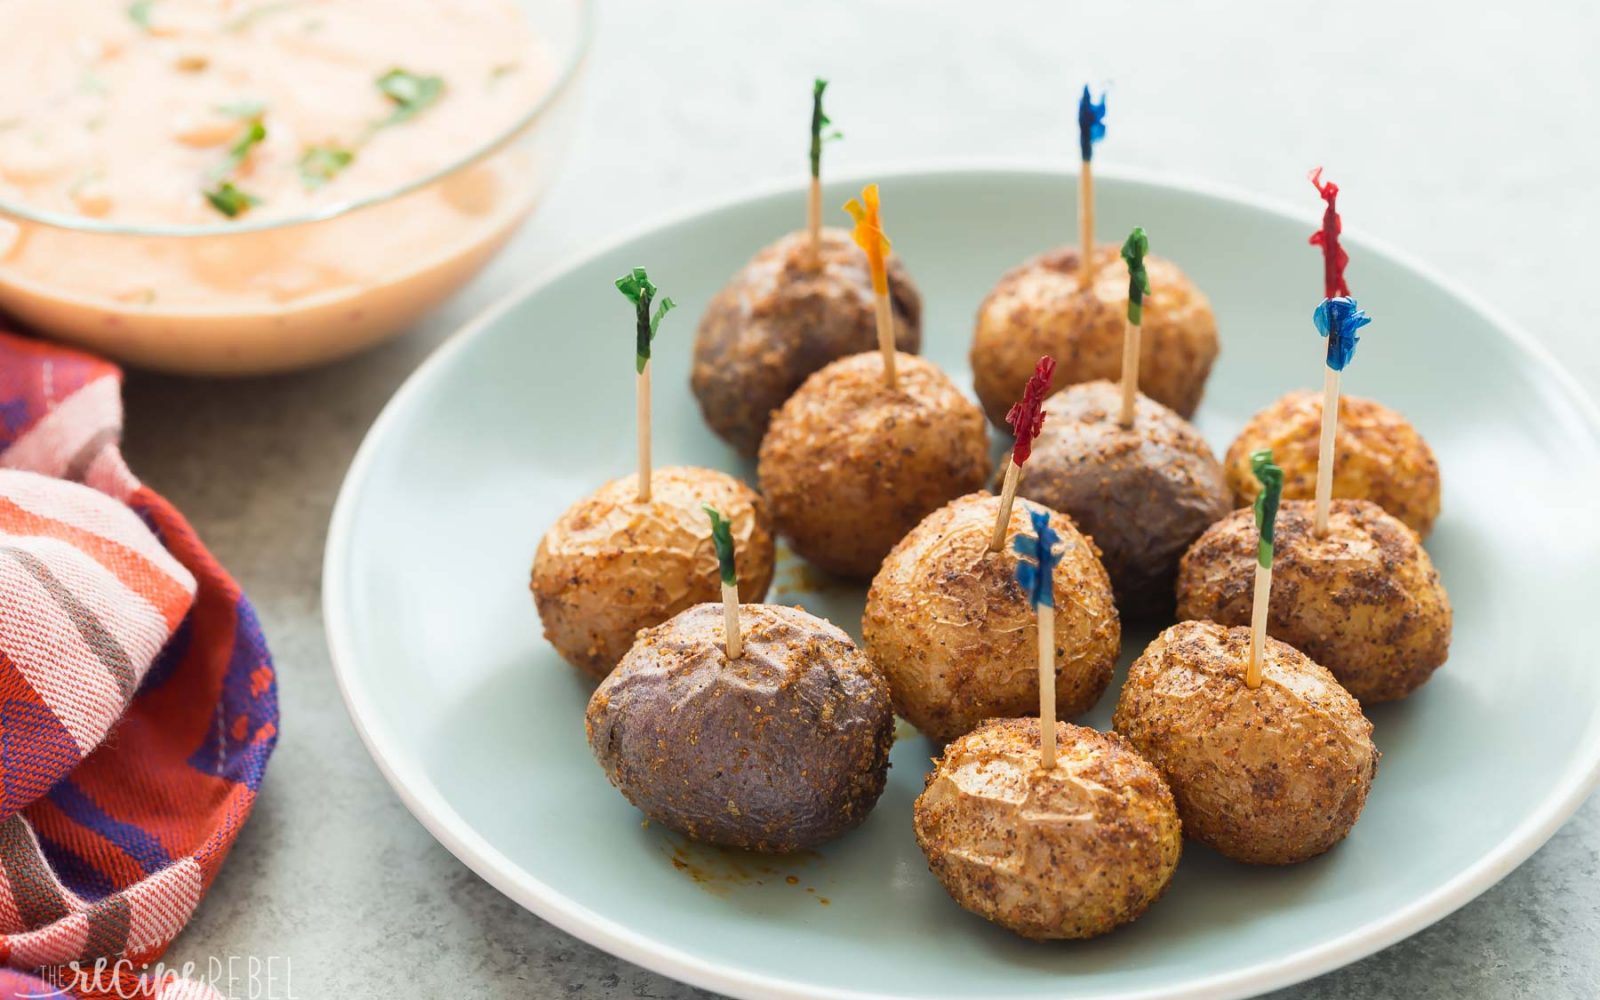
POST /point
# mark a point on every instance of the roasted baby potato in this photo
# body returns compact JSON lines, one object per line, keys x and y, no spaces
{"x":956,"y":637}
{"x":1363,"y":600}
{"x":1269,"y":776}
{"x":780,"y":318}
{"x":1071,"y":852}
{"x":784,"y":748}
{"x":1378,"y":456}
{"x":611,"y":566}
{"x":1039,"y":309}
{"x":1142,"y":493}
{"x":849,"y":466}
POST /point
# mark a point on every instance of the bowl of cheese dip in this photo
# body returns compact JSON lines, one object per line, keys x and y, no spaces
{"x":239,"y":186}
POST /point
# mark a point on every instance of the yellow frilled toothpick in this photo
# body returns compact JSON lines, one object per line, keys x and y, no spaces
{"x":869,"y":236}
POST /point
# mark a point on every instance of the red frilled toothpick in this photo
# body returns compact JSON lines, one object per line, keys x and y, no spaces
{"x":1026,"y":418}
{"x":1334,"y":258}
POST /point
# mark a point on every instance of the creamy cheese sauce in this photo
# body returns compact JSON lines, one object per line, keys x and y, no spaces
{"x":131,"y":112}
{"x":219,"y":112}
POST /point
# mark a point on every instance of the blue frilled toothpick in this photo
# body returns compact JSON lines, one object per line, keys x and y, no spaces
{"x":1036,"y":568}
{"x":1091,"y":129}
{"x":1337,"y":319}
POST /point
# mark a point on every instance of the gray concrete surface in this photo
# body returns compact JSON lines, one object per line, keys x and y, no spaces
{"x":1467,"y":138}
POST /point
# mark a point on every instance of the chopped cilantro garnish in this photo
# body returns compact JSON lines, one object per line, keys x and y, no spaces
{"x":411,"y":94}
{"x":321,"y":164}
{"x":139,"y":12}
{"x":229,"y":200}
{"x":255,"y":132}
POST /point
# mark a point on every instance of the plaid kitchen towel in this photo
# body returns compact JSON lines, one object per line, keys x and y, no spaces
{"x":138,"y":704}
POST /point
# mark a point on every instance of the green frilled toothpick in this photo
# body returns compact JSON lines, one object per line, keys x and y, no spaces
{"x":722,"y":539}
{"x":1271,"y":479}
{"x":1133,"y":251}
{"x":641,"y":291}
{"x":819,"y":135}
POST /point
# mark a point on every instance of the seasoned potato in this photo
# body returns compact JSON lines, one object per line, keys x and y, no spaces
{"x":611,"y":566}
{"x":1142,"y":493}
{"x":1378,"y":456}
{"x":1072,"y":852}
{"x":956,"y":637}
{"x":782,"y":749}
{"x":1039,"y":309}
{"x":849,"y":467}
{"x":1268,"y":776}
{"x":783,"y":316}
{"x":1363,"y":601}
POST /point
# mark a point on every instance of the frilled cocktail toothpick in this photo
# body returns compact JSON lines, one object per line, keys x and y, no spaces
{"x":722,"y":540}
{"x":1036,"y":576}
{"x":1026,"y":418}
{"x":869,"y":236}
{"x":639,"y":289}
{"x":1337,"y":319}
{"x":1091,"y":129}
{"x":1334,"y":258}
{"x":819,"y":135}
{"x":1133,"y":251}
{"x":1271,"y":479}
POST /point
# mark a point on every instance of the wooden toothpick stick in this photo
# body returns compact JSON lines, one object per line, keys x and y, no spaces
{"x":819,"y":123}
{"x":639,"y":290}
{"x":1271,"y":479}
{"x":1026,"y":418}
{"x":722,"y":540}
{"x":869,"y":236}
{"x":1091,"y":129}
{"x":1133,"y":251}
{"x":1337,"y":319}
{"x":1036,"y":564}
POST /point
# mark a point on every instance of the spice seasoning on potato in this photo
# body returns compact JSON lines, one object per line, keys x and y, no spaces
{"x":850,"y":466}
{"x":1039,"y":308}
{"x":1364,"y":600}
{"x":1378,"y":456}
{"x":783,"y":316}
{"x":1072,"y":851}
{"x":1143,"y":493}
{"x":612,"y":565}
{"x":954,"y":634}
{"x":780,"y":749}
{"x":1271,"y":775}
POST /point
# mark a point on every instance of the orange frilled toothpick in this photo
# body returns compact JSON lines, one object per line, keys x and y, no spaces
{"x":1026,"y":418}
{"x":869,"y":236}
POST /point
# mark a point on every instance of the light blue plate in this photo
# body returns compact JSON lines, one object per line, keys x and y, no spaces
{"x":479,"y":726}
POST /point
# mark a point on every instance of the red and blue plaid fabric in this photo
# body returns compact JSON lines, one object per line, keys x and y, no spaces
{"x":138,"y":702}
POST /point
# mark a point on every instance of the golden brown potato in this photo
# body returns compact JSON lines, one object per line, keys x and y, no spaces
{"x":1268,"y":776}
{"x":849,"y":467}
{"x":955,"y":635}
{"x":1039,"y":309}
{"x":783,"y":316}
{"x":1142,"y":493}
{"x":611,"y":566}
{"x":1363,"y":601}
{"x":782,"y":749}
{"x":1378,"y":456}
{"x":1072,"y":852}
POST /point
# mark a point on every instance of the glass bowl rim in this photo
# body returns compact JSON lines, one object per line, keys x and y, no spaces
{"x":572,"y":63}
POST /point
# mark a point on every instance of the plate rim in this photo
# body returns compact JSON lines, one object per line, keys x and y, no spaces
{"x":423,"y":800}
